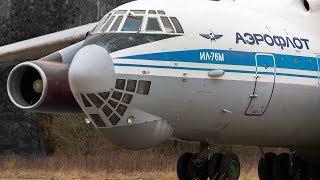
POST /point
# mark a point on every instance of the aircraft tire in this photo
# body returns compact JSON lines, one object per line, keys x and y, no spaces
{"x":265,"y":167}
{"x":281,"y":167}
{"x":183,"y":166}
{"x":199,"y":167}
{"x":300,"y":169}
{"x":229,"y":167}
{"x":214,"y":165}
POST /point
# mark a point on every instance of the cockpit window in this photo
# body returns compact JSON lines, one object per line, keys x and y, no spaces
{"x":167,"y":24}
{"x":121,"y":12}
{"x":153,"y":24}
{"x":107,"y":25}
{"x":139,"y":21}
{"x":138,"y":11}
{"x":152,"y":12}
{"x":116,"y":24}
{"x":161,"y":12}
{"x":177,"y":25}
{"x":132,"y":23}
{"x":101,"y":23}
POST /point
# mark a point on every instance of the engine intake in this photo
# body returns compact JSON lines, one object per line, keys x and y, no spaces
{"x":42,"y":86}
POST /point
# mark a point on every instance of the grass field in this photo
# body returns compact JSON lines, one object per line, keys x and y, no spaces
{"x":78,"y":151}
{"x":101,"y":175}
{"x":122,"y":165}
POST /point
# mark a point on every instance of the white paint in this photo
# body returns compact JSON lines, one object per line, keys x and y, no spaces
{"x":194,"y":105}
{"x":92,"y":70}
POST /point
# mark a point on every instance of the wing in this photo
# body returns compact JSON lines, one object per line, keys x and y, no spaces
{"x":41,"y":46}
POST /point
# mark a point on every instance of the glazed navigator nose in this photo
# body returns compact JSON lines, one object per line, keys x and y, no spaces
{"x":92,"y":70}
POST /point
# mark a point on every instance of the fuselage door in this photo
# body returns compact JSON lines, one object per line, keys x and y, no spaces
{"x":265,"y":77}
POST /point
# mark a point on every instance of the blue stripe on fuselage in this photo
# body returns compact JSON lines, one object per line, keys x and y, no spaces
{"x":240,"y":58}
{"x":207,"y":69}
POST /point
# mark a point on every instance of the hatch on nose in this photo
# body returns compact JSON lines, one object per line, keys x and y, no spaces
{"x":92,"y":70}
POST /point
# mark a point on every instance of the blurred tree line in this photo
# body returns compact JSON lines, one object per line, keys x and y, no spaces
{"x":31,"y":18}
{"x":24,"y":19}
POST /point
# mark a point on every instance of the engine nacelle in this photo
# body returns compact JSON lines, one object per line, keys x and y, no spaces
{"x":42,"y":86}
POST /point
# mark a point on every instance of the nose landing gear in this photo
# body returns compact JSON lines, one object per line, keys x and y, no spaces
{"x":200,"y":167}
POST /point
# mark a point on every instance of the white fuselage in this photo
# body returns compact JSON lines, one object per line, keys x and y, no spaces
{"x":269,"y":94}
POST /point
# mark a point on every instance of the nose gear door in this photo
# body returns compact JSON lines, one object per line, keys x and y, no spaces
{"x":264,"y":84}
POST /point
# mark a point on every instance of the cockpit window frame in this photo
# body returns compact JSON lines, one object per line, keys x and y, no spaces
{"x":116,"y":14}
{"x":101,"y":23}
{"x":162,"y":18}
{"x":138,"y":12}
{"x":121,"y":12}
{"x":108,"y":24}
{"x":176,"y":25}
{"x":117,"y":27}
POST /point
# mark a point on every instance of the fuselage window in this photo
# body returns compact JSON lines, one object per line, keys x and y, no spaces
{"x":116,"y":24}
{"x":167,"y":25}
{"x":152,"y":12}
{"x":161,"y":12}
{"x":153,"y":24}
{"x":133,"y":23}
{"x":121,"y":12}
{"x":177,"y":25}
{"x":107,"y":25}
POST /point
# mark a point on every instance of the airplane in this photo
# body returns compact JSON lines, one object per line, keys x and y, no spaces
{"x":145,"y":74}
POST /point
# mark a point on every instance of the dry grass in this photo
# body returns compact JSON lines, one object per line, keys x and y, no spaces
{"x":121,"y":165}
{"x":102,"y":175}
{"x":80,"y":152}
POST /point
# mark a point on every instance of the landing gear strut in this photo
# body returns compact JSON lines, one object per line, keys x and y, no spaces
{"x":200,"y":166}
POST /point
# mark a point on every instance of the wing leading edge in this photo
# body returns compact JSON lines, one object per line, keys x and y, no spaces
{"x":43,"y":45}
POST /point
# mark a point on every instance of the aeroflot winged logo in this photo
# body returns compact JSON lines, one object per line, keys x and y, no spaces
{"x":212,"y":36}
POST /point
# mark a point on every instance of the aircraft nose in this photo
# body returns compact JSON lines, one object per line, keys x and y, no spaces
{"x":92,"y":70}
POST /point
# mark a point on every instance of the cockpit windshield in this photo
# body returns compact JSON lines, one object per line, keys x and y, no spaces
{"x":153,"y":24}
{"x":132,"y":23}
{"x":139,"y":21}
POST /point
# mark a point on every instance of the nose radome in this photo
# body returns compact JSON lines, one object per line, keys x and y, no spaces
{"x":92,"y":70}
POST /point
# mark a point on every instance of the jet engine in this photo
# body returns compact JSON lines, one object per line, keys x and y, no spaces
{"x":42,"y":86}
